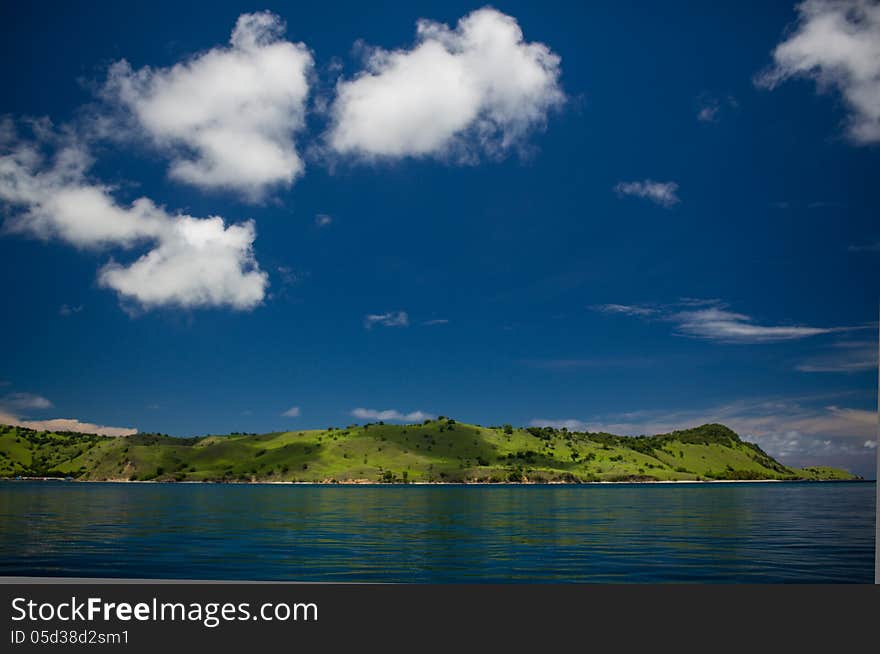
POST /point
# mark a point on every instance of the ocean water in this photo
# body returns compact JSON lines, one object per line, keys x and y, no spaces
{"x":715,"y":533}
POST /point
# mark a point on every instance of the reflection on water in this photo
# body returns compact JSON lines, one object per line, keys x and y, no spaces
{"x":621,"y":533}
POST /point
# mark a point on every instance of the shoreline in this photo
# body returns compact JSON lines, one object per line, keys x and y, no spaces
{"x":366,"y":482}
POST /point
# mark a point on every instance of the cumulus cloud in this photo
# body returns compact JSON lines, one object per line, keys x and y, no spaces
{"x":199,"y":262}
{"x":478,"y":88}
{"x":390,"y":415}
{"x":292,"y":412}
{"x":712,"y":320}
{"x":663,"y":193}
{"x":390,"y":319}
{"x":836,"y":43}
{"x":193,"y":262}
{"x":228,"y":116}
{"x":65,"y":424}
{"x":323,"y":220}
{"x":797,"y":431}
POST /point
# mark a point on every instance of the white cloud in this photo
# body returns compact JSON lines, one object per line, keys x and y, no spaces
{"x":323,"y":220}
{"x":200,"y":262}
{"x":837,"y":44}
{"x":871,"y":445}
{"x":194,"y":262}
{"x":717,"y":324}
{"x":390,"y":319}
{"x":711,"y":320}
{"x":625,"y":309}
{"x":228,"y":116}
{"x":68,"y":310}
{"x":708,"y":113}
{"x":662,"y":193}
{"x":759,"y":418}
{"x":65,"y":424}
{"x":390,"y":415}
{"x":847,"y":356}
{"x":24,"y":402}
{"x":710,"y":107}
{"x":457,"y":92}
{"x":436,"y":321}
{"x":14,"y":404}
{"x":292,"y":412}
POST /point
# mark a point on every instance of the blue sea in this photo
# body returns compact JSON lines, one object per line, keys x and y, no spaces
{"x":713,"y":533}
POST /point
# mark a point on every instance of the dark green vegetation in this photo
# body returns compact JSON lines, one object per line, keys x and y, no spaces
{"x":440,"y":450}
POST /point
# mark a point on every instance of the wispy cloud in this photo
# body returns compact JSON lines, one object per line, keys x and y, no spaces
{"x":710,"y":107}
{"x":825,"y":204}
{"x":626,"y":309}
{"x":837,"y":44}
{"x":708,"y":113}
{"x":812,"y":206}
{"x":436,"y":321}
{"x":796,"y":430}
{"x":663,"y":193}
{"x":847,"y":357}
{"x":289,"y":276}
{"x":390,"y":319}
{"x":68,"y":310}
{"x":13,"y":405}
{"x":867,"y":247}
{"x":712,"y":320}
{"x":323,"y":220}
{"x":24,"y":402}
{"x":391,"y":415}
{"x":292,"y":412}
{"x":718,"y":324}
{"x":591,"y":363}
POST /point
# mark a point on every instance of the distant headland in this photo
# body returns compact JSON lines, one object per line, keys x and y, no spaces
{"x":435,"y":451}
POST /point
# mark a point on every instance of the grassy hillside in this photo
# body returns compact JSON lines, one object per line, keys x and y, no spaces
{"x":440,"y":450}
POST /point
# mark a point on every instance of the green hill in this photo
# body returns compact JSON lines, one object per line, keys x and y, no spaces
{"x":441,"y":450}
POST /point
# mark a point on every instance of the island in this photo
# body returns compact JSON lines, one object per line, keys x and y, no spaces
{"x":441,"y":450}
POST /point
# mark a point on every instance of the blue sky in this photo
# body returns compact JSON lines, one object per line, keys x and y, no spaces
{"x":637,"y":217}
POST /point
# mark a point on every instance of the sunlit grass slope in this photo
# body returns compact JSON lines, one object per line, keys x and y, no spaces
{"x":441,"y":450}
